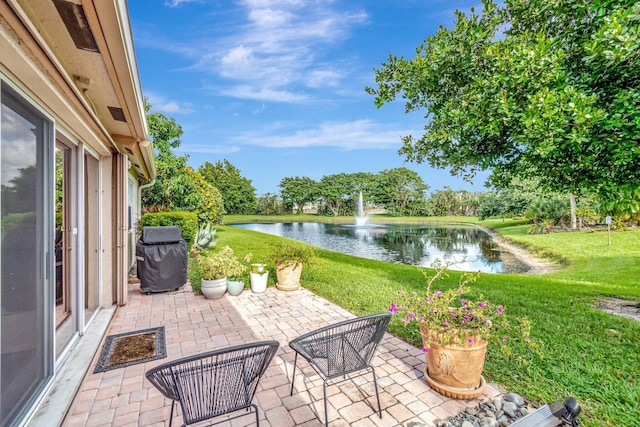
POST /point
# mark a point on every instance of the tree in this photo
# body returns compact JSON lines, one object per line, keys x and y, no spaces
{"x":529,"y":88}
{"x":165,"y":134}
{"x":237,"y":192}
{"x":398,"y":188}
{"x":338,"y":190}
{"x":446,"y":202}
{"x":189,"y":191}
{"x":298,"y":191}
{"x":178,"y":186}
{"x":269,"y":204}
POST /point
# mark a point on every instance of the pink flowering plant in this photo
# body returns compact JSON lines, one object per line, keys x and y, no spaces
{"x":447,"y":317}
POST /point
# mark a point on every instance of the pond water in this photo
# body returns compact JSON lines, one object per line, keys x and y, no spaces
{"x":465,"y":248}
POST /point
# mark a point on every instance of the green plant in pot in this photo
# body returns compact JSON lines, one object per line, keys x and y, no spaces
{"x":235,"y":276}
{"x":215,"y":270}
{"x":205,"y":238}
{"x":289,"y":256}
{"x":455,"y":332}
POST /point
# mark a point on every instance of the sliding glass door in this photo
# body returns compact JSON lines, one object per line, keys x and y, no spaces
{"x":26,"y":255}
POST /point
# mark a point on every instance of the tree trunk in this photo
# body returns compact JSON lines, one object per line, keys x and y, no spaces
{"x":572,"y":202}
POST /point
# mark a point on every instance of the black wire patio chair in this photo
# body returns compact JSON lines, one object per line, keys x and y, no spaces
{"x":214,"y":383}
{"x":342,"y":349}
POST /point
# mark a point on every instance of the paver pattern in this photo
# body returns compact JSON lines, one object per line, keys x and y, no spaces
{"x":194,"y":324}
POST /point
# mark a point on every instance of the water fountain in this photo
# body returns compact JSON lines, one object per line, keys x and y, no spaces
{"x":361,"y":216}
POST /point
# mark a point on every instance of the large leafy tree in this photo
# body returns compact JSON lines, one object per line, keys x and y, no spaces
{"x":189,"y":191}
{"x":540,"y":88}
{"x":340,"y":191}
{"x":165,"y":134}
{"x":237,"y":191}
{"x":298,"y":191}
{"x":177,"y":186}
{"x":398,"y":188}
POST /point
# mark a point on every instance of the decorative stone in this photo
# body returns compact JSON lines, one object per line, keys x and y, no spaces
{"x":515,"y":398}
{"x":497,"y":402}
{"x":503,"y":419}
{"x":509,"y":408}
{"x":471,"y":410}
{"x":467,"y":424}
{"x":489,"y":422}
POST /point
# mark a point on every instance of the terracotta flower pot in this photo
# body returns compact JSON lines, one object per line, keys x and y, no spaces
{"x":455,"y":369}
{"x":288,"y":276}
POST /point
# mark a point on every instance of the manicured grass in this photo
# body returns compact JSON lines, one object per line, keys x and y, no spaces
{"x":586,"y":353}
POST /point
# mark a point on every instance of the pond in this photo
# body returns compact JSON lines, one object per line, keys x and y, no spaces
{"x":465,"y":248}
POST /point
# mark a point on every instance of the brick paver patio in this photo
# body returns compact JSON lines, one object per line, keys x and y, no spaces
{"x":194,"y":324}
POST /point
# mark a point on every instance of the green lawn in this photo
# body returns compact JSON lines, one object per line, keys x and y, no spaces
{"x":586,"y":353}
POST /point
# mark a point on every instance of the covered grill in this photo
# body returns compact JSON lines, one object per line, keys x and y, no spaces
{"x":161,"y":255}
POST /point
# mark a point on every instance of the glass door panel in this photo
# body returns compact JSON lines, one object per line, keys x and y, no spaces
{"x":26,"y":362}
{"x":63,"y":247}
{"x":91,"y":235}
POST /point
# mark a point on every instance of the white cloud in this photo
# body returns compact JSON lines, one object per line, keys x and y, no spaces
{"x":263,"y":94}
{"x":323,"y":78}
{"x":356,"y":135}
{"x":177,"y":3}
{"x":280,"y":47}
{"x":163,"y":105}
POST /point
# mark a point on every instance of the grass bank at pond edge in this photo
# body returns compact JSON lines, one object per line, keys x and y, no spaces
{"x":589,"y":354}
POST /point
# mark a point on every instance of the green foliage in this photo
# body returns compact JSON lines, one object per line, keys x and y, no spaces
{"x":269,"y":204}
{"x":205,"y":238}
{"x":165,"y":134}
{"x":217,"y":265}
{"x":178,"y":186}
{"x":399,"y":189}
{"x":337,"y":190}
{"x":237,"y":192}
{"x":202,"y":197}
{"x":578,"y":340}
{"x":548,"y":213}
{"x":187,"y":221}
{"x":528,"y":88}
{"x":445,"y":317}
{"x":298,"y":191}
{"x":290,"y":251}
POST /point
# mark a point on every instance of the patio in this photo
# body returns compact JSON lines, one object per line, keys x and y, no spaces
{"x":193,"y":324}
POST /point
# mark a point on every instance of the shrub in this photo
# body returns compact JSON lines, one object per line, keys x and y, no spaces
{"x":187,"y":221}
{"x":292,"y":252}
{"x":220,"y":264}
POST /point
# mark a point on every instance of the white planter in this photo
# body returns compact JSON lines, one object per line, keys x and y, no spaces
{"x":259,"y":281}
{"x":213,"y":289}
{"x":235,"y":287}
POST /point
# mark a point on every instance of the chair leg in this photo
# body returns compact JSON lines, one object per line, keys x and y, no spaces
{"x":375,"y":385}
{"x":257,"y":417}
{"x":173,"y":402}
{"x":324,"y":395}
{"x":293,"y":377}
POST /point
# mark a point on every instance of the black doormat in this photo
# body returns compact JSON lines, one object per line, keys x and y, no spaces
{"x":131,"y":348}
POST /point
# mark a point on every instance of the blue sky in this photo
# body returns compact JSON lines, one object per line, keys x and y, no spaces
{"x":276,"y":87}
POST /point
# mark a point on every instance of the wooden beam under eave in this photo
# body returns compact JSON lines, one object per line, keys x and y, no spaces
{"x":146,"y":147}
{"x":134,"y":153}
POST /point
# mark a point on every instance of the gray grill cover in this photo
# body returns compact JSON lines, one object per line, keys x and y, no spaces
{"x":162,"y":256}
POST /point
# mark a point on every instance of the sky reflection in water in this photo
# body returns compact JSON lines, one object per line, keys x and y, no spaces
{"x":469,"y":247}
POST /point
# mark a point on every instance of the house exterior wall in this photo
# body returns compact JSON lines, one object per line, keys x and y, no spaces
{"x":94,"y":252}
